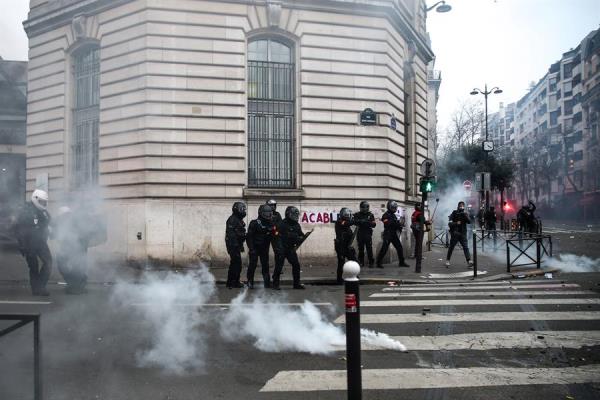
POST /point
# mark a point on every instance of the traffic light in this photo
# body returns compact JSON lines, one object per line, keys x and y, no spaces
{"x":571,"y":163}
{"x":427,"y":185}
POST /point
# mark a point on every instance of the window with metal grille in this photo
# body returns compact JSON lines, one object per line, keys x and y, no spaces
{"x":86,"y":100}
{"x":271,"y":105}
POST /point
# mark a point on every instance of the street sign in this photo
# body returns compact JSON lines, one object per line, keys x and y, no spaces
{"x":487,"y":181}
{"x":467,"y":185}
{"x":478,"y":182}
{"x":368,"y":117}
{"x":428,"y":167}
{"x":393,"y":122}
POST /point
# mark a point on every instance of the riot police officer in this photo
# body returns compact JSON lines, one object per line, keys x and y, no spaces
{"x":289,"y":237}
{"x":344,"y":236}
{"x":259,"y":238}
{"x":365,"y":222}
{"x":458,"y":222}
{"x":391,"y":228}
{"x":276,"y":216}
{"x":235,"y":234}
{"x":32,"y":230}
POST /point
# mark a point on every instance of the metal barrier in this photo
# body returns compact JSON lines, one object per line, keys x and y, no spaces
{"x":543,"y":247}
{"x":441,"y":239}
{"x":24,"y":319}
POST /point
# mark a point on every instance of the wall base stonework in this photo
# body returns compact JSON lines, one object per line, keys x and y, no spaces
{"x":152,"y":232}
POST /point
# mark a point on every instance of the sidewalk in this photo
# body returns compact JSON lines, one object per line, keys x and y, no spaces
{"x":14,"y":269}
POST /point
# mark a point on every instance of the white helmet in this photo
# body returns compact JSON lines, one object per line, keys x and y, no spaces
{"x":39,"y":198}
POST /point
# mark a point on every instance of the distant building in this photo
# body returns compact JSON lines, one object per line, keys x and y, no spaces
{"x":547,"y":137}
{"x":176,"y":109}
{"x":13,"y":114}
{"x":590,"y":105}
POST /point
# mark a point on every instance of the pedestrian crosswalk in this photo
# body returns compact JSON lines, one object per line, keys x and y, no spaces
{"x":479,"y":322}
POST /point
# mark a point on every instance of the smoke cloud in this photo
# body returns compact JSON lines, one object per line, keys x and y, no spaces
{"x":573,"y":263}
{"x":273,"y":327}
{"x":177,"y":334}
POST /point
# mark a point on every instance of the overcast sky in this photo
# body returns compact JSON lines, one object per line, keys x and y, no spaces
{"x":506,"y":43}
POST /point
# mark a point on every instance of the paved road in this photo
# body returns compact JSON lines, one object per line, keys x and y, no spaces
{"x":533,"y":339}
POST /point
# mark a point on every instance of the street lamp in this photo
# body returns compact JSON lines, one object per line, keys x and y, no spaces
{"x":487,"y":145}
{"x":442,"y":7}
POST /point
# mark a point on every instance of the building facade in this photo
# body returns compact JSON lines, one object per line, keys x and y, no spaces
{"x":551,"y":137}
{"x":171,"y":111}
{"x":13,"y":113}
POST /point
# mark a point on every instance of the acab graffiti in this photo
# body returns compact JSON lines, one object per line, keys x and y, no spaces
{"x":318,"y":217}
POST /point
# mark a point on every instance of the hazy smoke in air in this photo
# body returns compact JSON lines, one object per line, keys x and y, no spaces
{"x":573,"y":263}
{"x":273,"y":327}
{"x":449,"y":202}
{"x":169,"y":306}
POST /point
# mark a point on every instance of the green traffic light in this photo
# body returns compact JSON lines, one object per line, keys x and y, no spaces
{"x":428,"y":187}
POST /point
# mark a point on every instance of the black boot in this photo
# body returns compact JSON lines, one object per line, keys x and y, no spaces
{"x":299,"y":286}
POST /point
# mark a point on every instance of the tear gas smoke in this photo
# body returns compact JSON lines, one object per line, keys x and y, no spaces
{"x":178,"y":342}
{"x":273,"y":327}
{"x":449,"y":199}
{"x":573,"y":263}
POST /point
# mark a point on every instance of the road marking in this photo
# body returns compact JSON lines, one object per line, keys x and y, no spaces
{"x":496,"y":293}
{"x":473,"y":302}
{"x":451,"y":275}
{"x":229,"y":304}
{"x":425,"y":378}
{"x":476,"y":317}
{"x":496,"y":340}
{"x":42,"y":303}
{"x":489,"y":286}
{"x":507,"y":282}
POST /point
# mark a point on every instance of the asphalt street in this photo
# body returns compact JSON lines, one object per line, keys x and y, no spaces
{"x":520,"y":350}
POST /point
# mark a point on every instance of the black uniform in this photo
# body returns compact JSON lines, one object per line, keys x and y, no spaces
{"x":391,"y":228}
{"x":417,"y":226}
{"x":526,"y":218}
{"x":260,"y":234}
{"x":32,"y":235}
{"x":235,"y":234}
{"x":458,"y":232}
{"x":289,"y":236}
{"x":344,"y":236}
{"x":365,"y":222}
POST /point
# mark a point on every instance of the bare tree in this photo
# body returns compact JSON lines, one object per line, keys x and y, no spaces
{"x":467,"y":125}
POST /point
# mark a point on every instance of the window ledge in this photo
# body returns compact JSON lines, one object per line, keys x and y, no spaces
{"x":263,"y":193}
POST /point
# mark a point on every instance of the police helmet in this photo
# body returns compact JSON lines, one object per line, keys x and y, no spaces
{"x":346,"y":214}
{"x":239,"y":209}
{"x":392,"y":206}
{"x":364,"y":206}
{"x":273,"y":204}
{"x":292,"y":213}
{"x":265,"y":212}
{"x":39,"y":198}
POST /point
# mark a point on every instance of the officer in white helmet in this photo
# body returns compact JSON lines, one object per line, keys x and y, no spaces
{"x":32,"y":231}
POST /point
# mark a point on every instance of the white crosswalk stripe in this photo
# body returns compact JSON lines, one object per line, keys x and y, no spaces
{"x":485,"y":294}
{"x":481,"y":287}
{"x":564,"y":299}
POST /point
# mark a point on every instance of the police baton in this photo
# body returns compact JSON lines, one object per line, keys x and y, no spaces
{"x":351,"y":290}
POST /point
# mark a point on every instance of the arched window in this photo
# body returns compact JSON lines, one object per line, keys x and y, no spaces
{"x":85,"y":106}
{"x":271,"y":105}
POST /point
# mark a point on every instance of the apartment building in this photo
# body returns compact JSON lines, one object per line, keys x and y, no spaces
{"x":547,"y":142}
{"x":176,"y":109}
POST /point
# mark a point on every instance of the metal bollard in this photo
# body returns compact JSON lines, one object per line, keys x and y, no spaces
{"x":474,"y":255}
{"x":351,"y":290}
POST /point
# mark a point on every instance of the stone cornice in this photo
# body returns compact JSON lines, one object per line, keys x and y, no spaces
{"x":49,"y":18}
{"x":45,"y":20}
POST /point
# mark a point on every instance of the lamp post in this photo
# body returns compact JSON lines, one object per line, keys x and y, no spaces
{"x":486,"y":93}
{"x":442,"y":7}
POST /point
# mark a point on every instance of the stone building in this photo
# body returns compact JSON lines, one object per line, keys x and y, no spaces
{"x":13,"y":112}
{"x":175,"y":109}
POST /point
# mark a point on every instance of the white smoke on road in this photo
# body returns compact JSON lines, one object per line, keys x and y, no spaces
{"x":176,"y":330}
{"x":274,"y":327}
{"x":573,"y":263}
